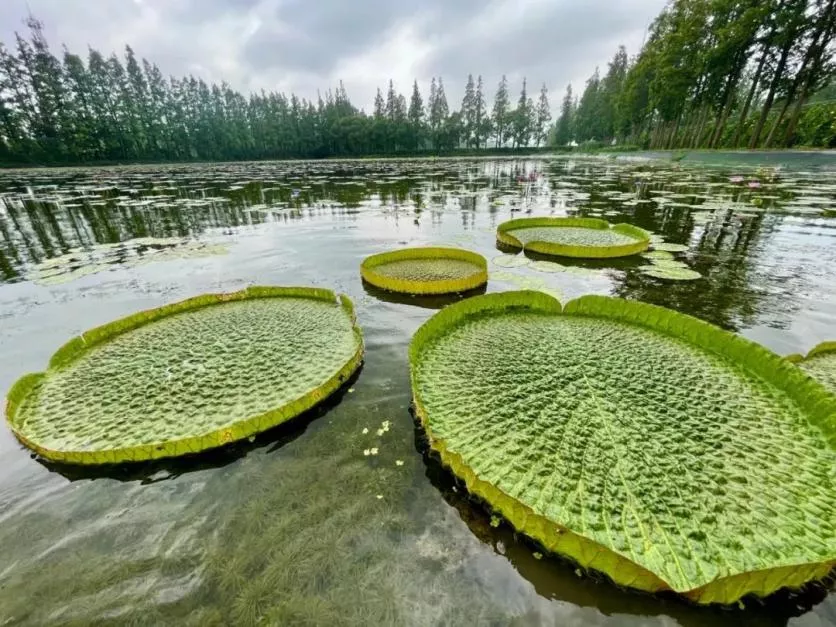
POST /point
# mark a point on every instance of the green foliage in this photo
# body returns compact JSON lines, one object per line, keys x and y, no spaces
{"x":118,"y":109}
{"x":564,"y":130}
{"x":573,"y":237}
{"x":120,"y":392}
{"x":718,"y":74}
{"x":670,"y":478}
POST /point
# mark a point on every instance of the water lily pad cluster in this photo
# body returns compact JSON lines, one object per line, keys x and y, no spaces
{"x":187,"y":377}
{"x":639,"y":442}
{"x":573,"y":237}
{"x":663,"y":263}
{"x":426,"y":270}
{"x":130,"y":254}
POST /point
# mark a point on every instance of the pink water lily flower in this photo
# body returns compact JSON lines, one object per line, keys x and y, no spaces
{"x":735,"y":179}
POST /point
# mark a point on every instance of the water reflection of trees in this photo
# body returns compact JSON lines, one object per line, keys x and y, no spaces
{"x":732,"y":292}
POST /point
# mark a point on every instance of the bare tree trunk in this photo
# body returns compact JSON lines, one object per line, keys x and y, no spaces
{"x":703,"y":119}
{"x":749,"y":97}
{"x":812,"y":53}
{"x":828,"y":23}
{"x":770,"y":98}
{"x":731,"y":88}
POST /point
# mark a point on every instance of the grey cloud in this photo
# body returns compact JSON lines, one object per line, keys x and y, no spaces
{"x":315,"y":36}
{"x":302,"y":45}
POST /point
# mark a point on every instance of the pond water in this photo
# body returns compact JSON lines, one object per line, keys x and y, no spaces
{"x":299,"y":526}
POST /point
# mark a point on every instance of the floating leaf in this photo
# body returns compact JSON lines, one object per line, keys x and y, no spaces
{"x":547,"y":266}
{"x":573,"y":237}
{"x":671,"y":248}
{"x":431,"y":270}
{"x":637,"y":441}
{"x":671,"y":274}
{"x":510,"y":261}
{"x":187,"y":377}
{"x":654,"y":255}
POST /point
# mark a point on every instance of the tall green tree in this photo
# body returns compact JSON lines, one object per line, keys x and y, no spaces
{"x":543,"y":117}
{"x":415,"y":115}
{"x":565,"y":123}
{"x":587,"y":120}
{"x":501,"y":115}
{"x":481,"y":119}
{"x":521,"y":119}
{"x":468,"y":111}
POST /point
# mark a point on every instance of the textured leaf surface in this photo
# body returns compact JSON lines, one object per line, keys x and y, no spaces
{"x":200,"y":373}
{"x":573,"y":237}
{"x":427,"y":270}
{"x":624,"y":436}
{"x":820,"y":364}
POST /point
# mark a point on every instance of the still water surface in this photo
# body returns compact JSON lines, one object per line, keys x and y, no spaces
{"x":299,"y":527}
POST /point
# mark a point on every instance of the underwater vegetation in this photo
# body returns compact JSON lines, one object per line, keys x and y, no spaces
{"x":427,"y":270}
{"x":573,"y":237}
{"x":639,"y":442}
{"x":187,"y":377}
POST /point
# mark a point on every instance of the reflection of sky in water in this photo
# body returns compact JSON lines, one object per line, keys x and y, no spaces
{"x":297,"y":512}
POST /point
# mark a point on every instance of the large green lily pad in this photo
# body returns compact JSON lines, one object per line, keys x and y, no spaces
{"x":187,"y":377}
{"x":573,"y":237}
{"x":426,"y":270}
{"x":642,"y":443}
{"x":820,"y":363}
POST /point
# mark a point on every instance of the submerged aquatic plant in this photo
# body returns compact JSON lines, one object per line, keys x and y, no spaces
{"x":130,"y":254}
{"x":573,"y":237}
{"x":187,"y":377}
{"x":638,"y":441}
{"x":510,"y":261}
{"x":428,"y":270}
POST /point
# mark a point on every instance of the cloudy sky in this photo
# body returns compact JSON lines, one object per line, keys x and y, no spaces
{"x":304,"y":45}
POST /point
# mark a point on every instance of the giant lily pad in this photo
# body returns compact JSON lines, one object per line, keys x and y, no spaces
{"x":820,"y":363}
{"x":428,"y":270}
{"x":187,"y":377}
{"x":573,"y":237}
{"x":640,"y":442}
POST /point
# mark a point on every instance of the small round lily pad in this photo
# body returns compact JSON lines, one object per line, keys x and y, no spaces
{"x":547,"y":266}
{"x":510,"y":261}
{"x":653,"y":255}
{"x":670,"y":273}
{"x":187,"y":377}
{"x":427,"y":270}
{"x":670,"y":248}
{"x":573,"y":237}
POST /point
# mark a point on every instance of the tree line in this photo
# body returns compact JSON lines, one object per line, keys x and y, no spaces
{"x":110,"y":109}
{"x":717,"y":74}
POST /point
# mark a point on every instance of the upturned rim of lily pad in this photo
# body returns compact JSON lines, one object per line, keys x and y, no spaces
{"x":240,"y":430}
{"x":641,"y":237}
{"x":416,"y":286}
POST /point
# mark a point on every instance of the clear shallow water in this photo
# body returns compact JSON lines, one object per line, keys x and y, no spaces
{"x":300,"y":526}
